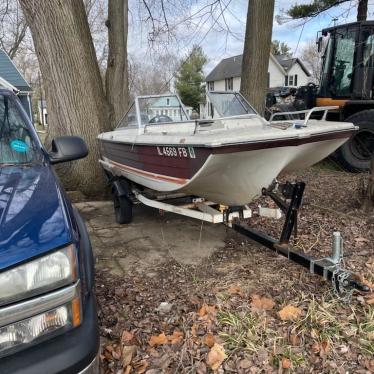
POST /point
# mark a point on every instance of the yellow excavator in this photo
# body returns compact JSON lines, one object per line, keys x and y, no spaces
{"x":347,"y":81}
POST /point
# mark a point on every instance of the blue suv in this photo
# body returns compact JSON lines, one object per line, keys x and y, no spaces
{"x":48,"y":318}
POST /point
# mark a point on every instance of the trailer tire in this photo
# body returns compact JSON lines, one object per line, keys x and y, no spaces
{"x":122,"y":209}
{"x":122,"y":205}
{"x":355,"y":154}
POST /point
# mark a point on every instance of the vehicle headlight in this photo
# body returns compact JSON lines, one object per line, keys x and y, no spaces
{"x":41,"y":275}
{"x":34,"y":329}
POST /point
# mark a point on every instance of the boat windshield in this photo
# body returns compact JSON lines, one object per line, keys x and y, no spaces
{"x":229,"y":104}
{"x":154,"y":110}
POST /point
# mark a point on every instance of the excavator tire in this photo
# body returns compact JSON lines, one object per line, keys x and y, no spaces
{"x":355,"y":155}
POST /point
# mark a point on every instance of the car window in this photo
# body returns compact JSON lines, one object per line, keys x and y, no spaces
{"x":16,"y":143}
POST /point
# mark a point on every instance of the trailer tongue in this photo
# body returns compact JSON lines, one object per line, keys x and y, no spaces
{"x":344,"y":282}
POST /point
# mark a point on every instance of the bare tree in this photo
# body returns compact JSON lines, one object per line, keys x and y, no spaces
{"x":74,"y":88}
{"x":153,"y":76}
{"x":256,"y":52}
{"x":313,"y":59}
{"x":13,"y":27}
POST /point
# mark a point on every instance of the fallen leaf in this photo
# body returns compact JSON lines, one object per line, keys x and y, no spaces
{"x":158,"y":340}
{"x":361,"y":240}
{"x":116,"y":355}
{"x":141,"y":367}
{"x":194,"y":329}
{"x":295,"y":339}
{"x":128,"y":352}
{"x":316,"y":348}
{"x":127,"y":370}
{"x":176,"y":337}
{"x":259,"y":303}
{"x":245,"y":364}
{"x":216,"y":356}
{"x":370,"y":301}
{"x":127,"y":336}
{"x":289,"y":313}
{"x":206,"y":309}
{"x":209,"y":340}
{"x":286,"y":363}
{"x":325,"y":347}
{"x":235,"y":290}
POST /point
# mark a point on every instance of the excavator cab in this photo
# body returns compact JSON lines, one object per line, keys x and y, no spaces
{"x":347,"y":81}
{"x":348,"y":63}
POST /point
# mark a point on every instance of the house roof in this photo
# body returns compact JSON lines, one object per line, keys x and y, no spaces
{"x":232,"y":67}
{"x":11,"y":74}
{"x":287,"y":63}
{"x":227,"y":68}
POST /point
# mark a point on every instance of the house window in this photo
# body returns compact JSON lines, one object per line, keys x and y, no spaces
{"x":210,"y":86}
{"x":167,"y":101}
{"x":229,"y":84}
{"x":291,"y":80}
{"x":286,"y":80}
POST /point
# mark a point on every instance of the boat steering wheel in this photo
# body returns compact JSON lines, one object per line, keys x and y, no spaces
{"x":160,"y":119}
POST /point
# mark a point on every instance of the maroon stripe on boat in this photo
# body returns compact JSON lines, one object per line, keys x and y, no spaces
{"x":148,"y":158}
{"x":182,"y":161}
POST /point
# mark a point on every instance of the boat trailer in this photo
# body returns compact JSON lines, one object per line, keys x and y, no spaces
{"x":288,"y":198}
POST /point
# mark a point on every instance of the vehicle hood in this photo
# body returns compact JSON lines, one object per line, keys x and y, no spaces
{"x":33,"y":218}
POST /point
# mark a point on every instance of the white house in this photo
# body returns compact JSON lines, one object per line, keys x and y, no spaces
{"x":168,"y":106}
{"x":43,"y":114}
{"x":282,"y":71}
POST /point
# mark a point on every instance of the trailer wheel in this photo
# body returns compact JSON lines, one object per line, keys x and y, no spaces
{"x":122,"y":209}
{"x":355,"y":155}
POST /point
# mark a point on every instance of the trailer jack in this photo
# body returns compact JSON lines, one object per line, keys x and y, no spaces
{"x":343,"y":281}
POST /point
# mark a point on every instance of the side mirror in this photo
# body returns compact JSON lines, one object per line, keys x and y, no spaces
{"x":67,"y":148}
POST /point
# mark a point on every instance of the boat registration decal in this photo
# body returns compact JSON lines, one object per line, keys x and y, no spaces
{"x":181,"y":152}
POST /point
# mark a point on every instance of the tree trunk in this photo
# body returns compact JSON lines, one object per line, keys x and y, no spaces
{"x":116,"y":75}
{"x":74,"y":90}
{"x":362,"y":10}
{"x":256,"y":52}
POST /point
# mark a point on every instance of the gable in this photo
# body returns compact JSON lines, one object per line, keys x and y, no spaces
{"x":289,"y":63}
{"x":232,"y":67}
{"x":10,"y":73}
{"x":227,"y":68}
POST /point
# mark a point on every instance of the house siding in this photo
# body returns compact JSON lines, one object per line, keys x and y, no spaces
{"x":276,"y":78}
{"x":302,"y":78}
{"x":277,"y":72}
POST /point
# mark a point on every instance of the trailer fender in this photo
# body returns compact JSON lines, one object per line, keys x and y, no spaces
{"x":121,"y":188}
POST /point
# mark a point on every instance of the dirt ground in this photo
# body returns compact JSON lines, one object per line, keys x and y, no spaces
{"x":179,"y":296}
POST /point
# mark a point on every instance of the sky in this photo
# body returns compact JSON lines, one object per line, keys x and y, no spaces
{"x":211,"y":32}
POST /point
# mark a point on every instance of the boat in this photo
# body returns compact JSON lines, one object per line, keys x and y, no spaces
{"x":227,"y":157}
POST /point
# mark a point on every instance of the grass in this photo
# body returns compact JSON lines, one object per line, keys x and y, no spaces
{"x":242,"y":330}
{"x":296,"y":359}
{"x":321,"y":323}
{"x":366,"y":331}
